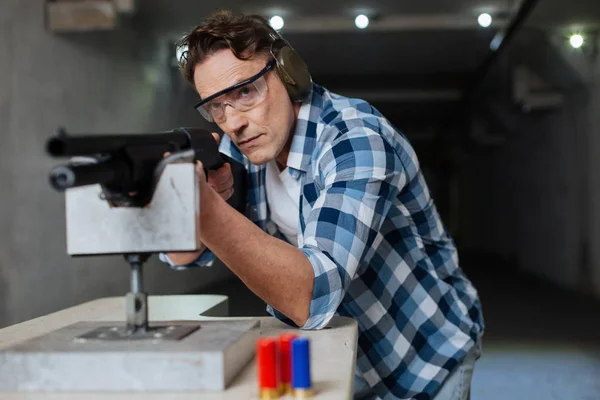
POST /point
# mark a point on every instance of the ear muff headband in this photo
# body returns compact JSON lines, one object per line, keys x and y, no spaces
{"x":291,"y":68}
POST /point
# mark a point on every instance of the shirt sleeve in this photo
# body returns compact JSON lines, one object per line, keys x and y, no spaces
{"x":206,"y":259}
{"x":360,"y":175}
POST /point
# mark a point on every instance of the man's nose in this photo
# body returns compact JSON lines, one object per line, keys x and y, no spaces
{"x":236,"y":120}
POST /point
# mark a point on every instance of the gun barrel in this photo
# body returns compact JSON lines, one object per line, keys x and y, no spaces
{"x":64,"y":177}
{"x":94,"y":144}
{"x":128,"y":165}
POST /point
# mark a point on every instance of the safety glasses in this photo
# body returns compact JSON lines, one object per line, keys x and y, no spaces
{"x":242,"y":96}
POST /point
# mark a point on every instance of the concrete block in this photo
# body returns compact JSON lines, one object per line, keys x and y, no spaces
{"x":168,"y":223}
{"x":207,"y":359}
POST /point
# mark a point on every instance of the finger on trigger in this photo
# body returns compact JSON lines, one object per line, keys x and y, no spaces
{"x":229,"y":182}
{"x":226,"y":194}
{"x":224,"y":178}
{"x":221,"y":176}
{"x":221,"y":186}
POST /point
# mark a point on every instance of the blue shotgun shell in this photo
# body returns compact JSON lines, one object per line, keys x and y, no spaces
{"x":301,"y":364}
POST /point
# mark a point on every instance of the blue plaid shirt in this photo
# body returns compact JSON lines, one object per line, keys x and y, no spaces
{"x":379,"y":251}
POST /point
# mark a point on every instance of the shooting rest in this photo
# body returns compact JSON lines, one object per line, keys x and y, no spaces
{"x":135,"y":356}
{"x":168,"y":223}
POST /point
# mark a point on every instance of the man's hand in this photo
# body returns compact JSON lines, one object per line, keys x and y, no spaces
{"x":221,"y":181}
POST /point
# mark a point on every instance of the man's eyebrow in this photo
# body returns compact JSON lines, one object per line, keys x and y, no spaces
{"x":241,"y":78}
{"x":236,"y":78}
{"x":236,"y":81}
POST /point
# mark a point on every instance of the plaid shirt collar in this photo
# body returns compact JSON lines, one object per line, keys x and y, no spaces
{"x":305,"y":133}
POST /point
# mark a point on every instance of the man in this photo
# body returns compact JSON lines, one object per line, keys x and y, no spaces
{"x":339,"y":218}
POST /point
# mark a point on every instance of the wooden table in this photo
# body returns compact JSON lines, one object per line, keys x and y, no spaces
{"x":333,"y":349}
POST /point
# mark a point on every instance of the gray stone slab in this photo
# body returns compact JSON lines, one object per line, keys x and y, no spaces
{"x":207,"y":359}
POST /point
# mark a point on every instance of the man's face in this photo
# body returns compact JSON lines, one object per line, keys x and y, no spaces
{"x":261,"y":132}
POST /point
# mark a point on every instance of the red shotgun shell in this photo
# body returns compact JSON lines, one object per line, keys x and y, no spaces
{"x":285,"y":361}
{"x":266,"y":359}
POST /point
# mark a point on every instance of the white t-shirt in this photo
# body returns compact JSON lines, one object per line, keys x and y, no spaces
{"x":283,"y":197}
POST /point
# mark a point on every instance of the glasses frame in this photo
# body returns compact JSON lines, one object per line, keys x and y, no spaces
{"x":252,"y":79}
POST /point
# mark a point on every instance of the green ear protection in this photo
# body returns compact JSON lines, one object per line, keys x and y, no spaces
{"x":291,"y":68}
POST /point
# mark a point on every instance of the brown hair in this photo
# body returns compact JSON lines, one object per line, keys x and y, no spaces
{"x":244,"y":35}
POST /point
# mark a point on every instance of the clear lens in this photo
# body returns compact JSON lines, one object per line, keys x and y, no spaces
{"x":205,"y":114}
{"x":246,"y":96}
{"x":242,"y":99}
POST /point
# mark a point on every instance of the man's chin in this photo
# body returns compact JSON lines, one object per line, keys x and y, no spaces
{"x":258,"y":157}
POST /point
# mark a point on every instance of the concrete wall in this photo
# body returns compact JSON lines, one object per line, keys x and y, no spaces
{"x":532,"y":200}
{"x":118,"y":81}
{"x":524,"y":198}
{"x":593,"y":177}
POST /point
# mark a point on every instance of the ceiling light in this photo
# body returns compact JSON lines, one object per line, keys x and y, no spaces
{"x":485,"y":20}
{"x":361,"y":21}
{"x":576,"y":41}
{"x":276,"y":22}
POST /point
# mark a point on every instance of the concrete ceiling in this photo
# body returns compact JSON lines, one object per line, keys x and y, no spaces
{"x":432,"y":45}
{"x":185,"y":13}
{"x":561,"y":15}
